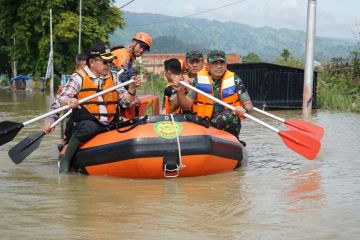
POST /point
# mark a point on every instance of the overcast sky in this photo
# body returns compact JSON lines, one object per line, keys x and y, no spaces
{"x":335,"y":18}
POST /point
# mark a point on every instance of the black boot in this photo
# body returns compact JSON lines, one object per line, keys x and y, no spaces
{"x":65,"y":160}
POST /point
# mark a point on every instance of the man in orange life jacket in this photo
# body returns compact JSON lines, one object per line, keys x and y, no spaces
{"x":194,"y":63}
{"x":80,"y":62}
{"x":222,"y":84}
{"x":96,"y":115}
{"x":126,"y":56}
{"x":173,"y":72}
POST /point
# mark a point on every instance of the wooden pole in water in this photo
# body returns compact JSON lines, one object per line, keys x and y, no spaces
{"x":52,"y":59}
{"x":14,"y":69}
{"x":309,"y":60}
{"x":80,"y":23}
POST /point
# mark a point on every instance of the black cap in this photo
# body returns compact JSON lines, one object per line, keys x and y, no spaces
{"x":173,"y":65}
{"x":99,"y":49}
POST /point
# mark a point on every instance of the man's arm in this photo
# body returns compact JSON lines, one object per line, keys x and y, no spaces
{"x":71,"y":88}
{"x":128,"y":96}
{"x":186,"y":101}
{"x":174,"y":104}
{"x":52,"y":118}
{"x":243,"y":97}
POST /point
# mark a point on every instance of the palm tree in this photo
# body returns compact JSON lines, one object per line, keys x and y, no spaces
{"x":285,"y":54}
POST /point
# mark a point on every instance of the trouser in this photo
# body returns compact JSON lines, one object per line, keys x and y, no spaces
{"x":82,"y":132}
{"x":69,"y":127}
{"x":87,"y":129}
{"x":227,"y":120}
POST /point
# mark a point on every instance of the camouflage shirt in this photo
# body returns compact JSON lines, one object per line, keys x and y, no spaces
{"x":225,"y":119}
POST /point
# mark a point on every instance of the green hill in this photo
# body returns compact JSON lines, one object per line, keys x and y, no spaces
{"x":186,"y":33}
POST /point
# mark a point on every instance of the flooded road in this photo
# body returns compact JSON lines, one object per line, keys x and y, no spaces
{"x":278,"y":195}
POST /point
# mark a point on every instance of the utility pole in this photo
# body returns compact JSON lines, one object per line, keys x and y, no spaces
{"x":309,"y":59}
{"x":80,"y":23}
{"x":52,"y":59}
{"x":14,"y":69}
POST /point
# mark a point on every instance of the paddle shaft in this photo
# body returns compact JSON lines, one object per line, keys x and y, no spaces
{"x":81,"y":101}
{"x":269,"y":114}
{"x":228,"y":106}
{"x":311,"y":129}
{"x":61,"y":118}
{"x":26,"y":146}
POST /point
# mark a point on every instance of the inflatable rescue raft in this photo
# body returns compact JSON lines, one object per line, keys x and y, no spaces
{"x":158,"y":147}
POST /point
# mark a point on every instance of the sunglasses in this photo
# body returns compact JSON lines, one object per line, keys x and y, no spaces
{"x":218,"y":62}
{"x":103,"y":61}
{"x":144,"y":46}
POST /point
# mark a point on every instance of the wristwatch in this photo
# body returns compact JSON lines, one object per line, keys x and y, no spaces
{"x":132,"y":94}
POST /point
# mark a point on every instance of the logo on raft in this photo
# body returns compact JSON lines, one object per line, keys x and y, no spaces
{"x":167,"y":129}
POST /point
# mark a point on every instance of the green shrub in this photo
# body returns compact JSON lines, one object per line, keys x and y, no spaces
{"x":335,"y":93}
{"x":4,"y":80}
{"x":153,"y":84}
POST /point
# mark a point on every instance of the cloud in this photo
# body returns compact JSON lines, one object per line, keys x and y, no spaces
{"x":334,"y":18}
{"x":288,"y":4}
{"x":189,"y":8}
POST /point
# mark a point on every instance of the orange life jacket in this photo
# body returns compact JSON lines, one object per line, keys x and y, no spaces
{"x":168,"y":106}
{"x":110,"y":100}
{"x":204,"y":107}
{"x":122,"y":56}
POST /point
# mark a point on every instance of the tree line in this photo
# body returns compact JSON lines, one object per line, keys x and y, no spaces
{"x":25,"y":32}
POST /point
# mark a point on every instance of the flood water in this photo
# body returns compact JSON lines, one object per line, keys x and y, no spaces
{"x":278,"y":195}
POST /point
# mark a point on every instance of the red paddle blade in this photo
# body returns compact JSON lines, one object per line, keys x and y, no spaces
{"x":308,"y":128}
{"x":301,"y":143}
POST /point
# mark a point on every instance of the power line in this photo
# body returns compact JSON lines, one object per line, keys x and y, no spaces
{"x":126,"y":4}
{"x":159,"y":4}
{"x":193,"y":14}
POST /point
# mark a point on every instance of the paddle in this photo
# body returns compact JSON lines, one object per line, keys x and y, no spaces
{"x":307,"y":128}
{"x":8,"y":129}
{"x":26,"y":146}
{"x":296,"y":141}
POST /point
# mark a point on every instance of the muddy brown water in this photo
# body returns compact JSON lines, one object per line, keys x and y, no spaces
{"x":278,"y":195}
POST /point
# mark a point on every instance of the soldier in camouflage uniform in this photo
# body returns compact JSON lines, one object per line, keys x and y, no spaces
{"x":221,"y":118}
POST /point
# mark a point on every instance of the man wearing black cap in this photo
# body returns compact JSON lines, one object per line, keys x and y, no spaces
{"x":80,"y":62}
{"x":96,"y":115}
{"x":222,"y":84}
{"x":173,"y":72}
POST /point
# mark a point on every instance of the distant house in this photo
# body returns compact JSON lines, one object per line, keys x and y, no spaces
{"x":154,"y":63}
{"x":19,"y":82}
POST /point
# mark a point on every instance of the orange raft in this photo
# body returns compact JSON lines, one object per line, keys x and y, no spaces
{"x":158,"y":147}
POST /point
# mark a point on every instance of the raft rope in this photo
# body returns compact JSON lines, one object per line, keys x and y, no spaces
{"x":181,"y":165}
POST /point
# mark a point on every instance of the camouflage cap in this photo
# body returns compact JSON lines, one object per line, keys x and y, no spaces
{"x":216,"y":55}
{"x":194,"y":55}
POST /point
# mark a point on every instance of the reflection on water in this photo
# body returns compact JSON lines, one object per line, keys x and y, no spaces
{"x":278,"y":195}
{"x":305,"y":192}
